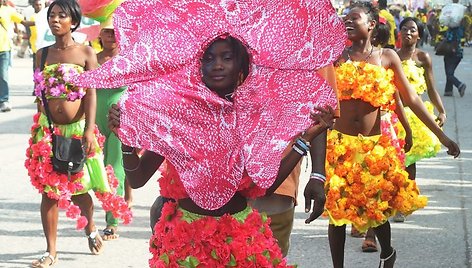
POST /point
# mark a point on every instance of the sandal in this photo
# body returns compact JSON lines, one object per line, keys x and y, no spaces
{"x":369,"y":246}
{"x":392,"y":258}
{"x":109,"y":234}
{"x":95,"y":243}
{"x":46,"y":260}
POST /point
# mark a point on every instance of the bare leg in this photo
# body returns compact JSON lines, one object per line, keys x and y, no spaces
{"x":49,"y":219}
{"x":369,"y":244}
{"x":128,"y":194}
{"x":411,"y":169}
{"x":85,"y":203}
{"x":337,"y":238}
{"x":384,"y":235}
{"x":370,"y":235}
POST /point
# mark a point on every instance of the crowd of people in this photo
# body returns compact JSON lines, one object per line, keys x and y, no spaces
{"x":226,"y":112}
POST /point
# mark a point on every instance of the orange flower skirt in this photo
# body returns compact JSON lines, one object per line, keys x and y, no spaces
{"x":366,"y":183}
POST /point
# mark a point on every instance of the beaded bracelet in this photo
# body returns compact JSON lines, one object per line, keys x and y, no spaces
{"x":318,"y":176}
{"x":299,"y":150}
{"x":303,"y":143}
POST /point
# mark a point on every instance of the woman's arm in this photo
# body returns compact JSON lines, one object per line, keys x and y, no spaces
{"x":90,"y":103}
{"x":323,"y":121}
{"x":412,"y":100}
{"x":314,"y":188}
{"x":138,"y":169}
{"x":433,"y":94}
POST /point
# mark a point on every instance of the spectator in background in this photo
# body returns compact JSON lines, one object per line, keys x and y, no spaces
{"x":405,"y":12}
{"x":8,"y":16}
{"x":384,"y":13}
{"x":38,"y":5}
{"x":451,"y":61}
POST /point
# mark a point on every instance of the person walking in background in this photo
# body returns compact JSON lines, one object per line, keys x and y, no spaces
{"x":418,"y":68}
{"x":8,"y":16}
{"x":452,"y":16}
{"x":68,"y":110}
{"x":112,"y":146}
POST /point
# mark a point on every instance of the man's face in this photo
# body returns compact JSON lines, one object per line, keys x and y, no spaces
{"x":38,"y":6}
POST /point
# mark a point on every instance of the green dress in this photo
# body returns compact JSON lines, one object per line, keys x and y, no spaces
{"x":112,"y":146}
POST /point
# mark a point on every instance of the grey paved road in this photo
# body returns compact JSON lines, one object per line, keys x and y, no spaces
{"x":437,"y":236}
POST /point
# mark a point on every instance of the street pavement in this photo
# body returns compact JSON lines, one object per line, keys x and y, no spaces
{"x":437,"y":236}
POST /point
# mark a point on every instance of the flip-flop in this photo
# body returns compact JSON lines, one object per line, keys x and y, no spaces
{"x":109,"y":234}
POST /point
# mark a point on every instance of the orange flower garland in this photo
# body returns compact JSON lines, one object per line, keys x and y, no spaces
{"x":365,"y":182}
{"x":365,"y":81}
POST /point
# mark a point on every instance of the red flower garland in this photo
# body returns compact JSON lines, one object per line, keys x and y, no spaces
{"x":213,"y":242}
{"x":42,"y":177}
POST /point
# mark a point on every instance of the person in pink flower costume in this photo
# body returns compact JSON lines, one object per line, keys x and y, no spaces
{"x":217,"y":90}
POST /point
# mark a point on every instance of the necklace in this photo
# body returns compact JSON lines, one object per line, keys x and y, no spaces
{"x":63,"y":48}
{"x":229,"y":96}
{"x":366,"y":58}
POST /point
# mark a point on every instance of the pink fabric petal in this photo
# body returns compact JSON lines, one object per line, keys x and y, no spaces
{"x":272,"y":107}
{"x":211,"y":141}
{"x":288,"y":34}
{"x":163,"y":36}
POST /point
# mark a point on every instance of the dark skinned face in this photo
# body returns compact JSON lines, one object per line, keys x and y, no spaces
{"x":358,"y":24}
{"x":409,"y":33}
{"x":108,"y":38}
{"x":220,"y":68}
{"x":59,"y":21}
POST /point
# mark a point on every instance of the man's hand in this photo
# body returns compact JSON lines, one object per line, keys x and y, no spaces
{"x":314,"y":190}
{"x":114,"y":118}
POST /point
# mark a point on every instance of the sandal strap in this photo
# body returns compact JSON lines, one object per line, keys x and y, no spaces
{"x":382,"y":261}
{"x":108,"y":231}
{"x":92,"y":235}
{"x":47,"y":255}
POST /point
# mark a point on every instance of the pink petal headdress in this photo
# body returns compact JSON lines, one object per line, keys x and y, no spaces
{"x":210,"y":141}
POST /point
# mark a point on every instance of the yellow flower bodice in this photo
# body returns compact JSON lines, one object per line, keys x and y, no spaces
{"x":415,"y":75}
{"x":368,"y":82}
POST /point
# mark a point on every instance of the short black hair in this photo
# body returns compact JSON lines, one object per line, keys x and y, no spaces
{"x":369,"y":9}
{"x":71,"y":8}
{"x":419,"y":24}
{"x":381,"y":35}
{"x":240,"y":52}
{"x":382,"y":4}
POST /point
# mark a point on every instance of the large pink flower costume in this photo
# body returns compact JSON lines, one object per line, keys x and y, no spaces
{"x":209,"y":140}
